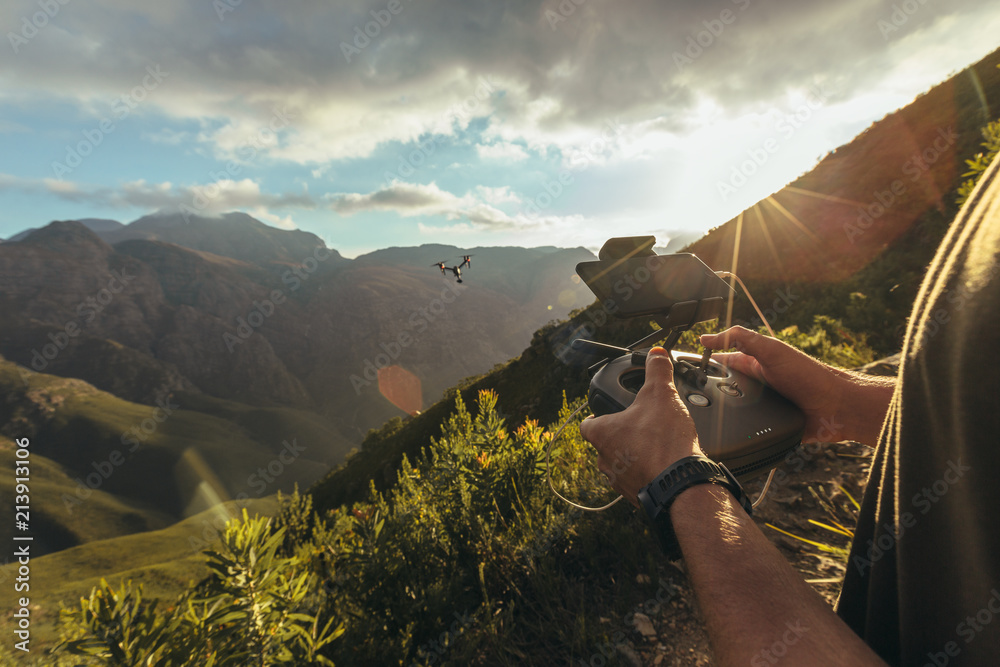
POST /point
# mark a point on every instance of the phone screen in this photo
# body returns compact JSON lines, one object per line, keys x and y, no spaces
{"x":651,"y":284}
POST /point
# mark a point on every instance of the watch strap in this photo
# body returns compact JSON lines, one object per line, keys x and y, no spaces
{"x":657,"y":497}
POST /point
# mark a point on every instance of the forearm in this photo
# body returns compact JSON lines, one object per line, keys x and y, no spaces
{"x":755,"y":605}
{"x":865,"y":401}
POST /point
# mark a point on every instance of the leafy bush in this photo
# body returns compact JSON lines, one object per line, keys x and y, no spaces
{"x":251,"y":611}
{"x":979,"y":162}
{"x":467,"y":555}
{"x":827,"y":340}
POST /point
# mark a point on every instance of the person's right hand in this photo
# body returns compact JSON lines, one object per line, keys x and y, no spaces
{"x":838,"y":405}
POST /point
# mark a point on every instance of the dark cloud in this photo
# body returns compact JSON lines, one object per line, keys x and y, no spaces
{"x":590,"y":61}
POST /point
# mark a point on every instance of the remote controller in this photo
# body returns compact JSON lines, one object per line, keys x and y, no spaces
{"x":741,"y":423}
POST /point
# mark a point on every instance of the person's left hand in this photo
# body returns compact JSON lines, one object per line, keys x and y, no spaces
{"x":639,"y":443}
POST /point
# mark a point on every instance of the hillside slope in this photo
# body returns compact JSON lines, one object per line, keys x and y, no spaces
{"x":836,"y":219}
{"x":106,"y":467}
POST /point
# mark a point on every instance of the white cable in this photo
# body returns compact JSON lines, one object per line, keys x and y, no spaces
{"x":548,"y":468}
{"x":770,"y":476}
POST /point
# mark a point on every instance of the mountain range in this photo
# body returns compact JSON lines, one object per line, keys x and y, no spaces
{"x":239,"y":310}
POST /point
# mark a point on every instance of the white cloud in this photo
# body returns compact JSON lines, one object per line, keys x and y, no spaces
{"x":168,"y":136}
{"x":497,"y":196}
{"x":210,"y":198}
{"x":406,"y":199}
{"x":502,"y":150}
{"x":262,"y":213}
{"x":477,"y":207}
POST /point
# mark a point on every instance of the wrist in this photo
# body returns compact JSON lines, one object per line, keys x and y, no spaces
{"x":864,"y":404}
{"x":658,"y":498}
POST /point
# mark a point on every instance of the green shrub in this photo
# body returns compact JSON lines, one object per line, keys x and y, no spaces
{"x":978,"y":164}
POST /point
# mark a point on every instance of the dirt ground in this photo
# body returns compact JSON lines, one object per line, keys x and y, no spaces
{"x":676,"y":636}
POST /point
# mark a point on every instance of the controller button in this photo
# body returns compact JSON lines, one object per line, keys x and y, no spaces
{"x":698,"y":400}
{"x":730,"y":389}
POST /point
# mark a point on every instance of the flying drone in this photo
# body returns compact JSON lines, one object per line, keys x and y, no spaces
{"x":456,"y":270}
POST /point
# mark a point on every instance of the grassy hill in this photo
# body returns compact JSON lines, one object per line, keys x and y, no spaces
{"x":166,"y":561}
{"x":108,"y":467}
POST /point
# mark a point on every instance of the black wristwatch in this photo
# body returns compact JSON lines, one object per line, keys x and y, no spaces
{"x":657,"y":497}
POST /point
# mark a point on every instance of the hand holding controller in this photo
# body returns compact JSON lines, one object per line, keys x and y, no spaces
{"x":741,"y":422}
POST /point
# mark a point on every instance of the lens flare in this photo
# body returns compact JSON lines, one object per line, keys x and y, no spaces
{"x":402,"y":388}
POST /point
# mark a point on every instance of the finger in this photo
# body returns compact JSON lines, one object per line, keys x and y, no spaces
{"x":659,"y":375}
{"x":587,"y":428}
{"x":737,"y":361}
{"x":595,"y":431}
{"x":762,"y":348}
{"x":724,"y":340}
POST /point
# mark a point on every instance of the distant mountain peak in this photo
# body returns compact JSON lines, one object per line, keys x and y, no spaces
{"x":235,"y":235}
{"x":98,"y":225}
{"x":70,"y":237}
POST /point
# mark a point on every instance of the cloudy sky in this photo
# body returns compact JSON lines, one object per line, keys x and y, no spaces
{"x":471,"y":122}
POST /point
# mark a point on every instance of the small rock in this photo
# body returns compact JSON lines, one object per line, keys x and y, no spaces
{"x":642,"y":579}
{"x":630,"y":654}
{"x":644,"y":625}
